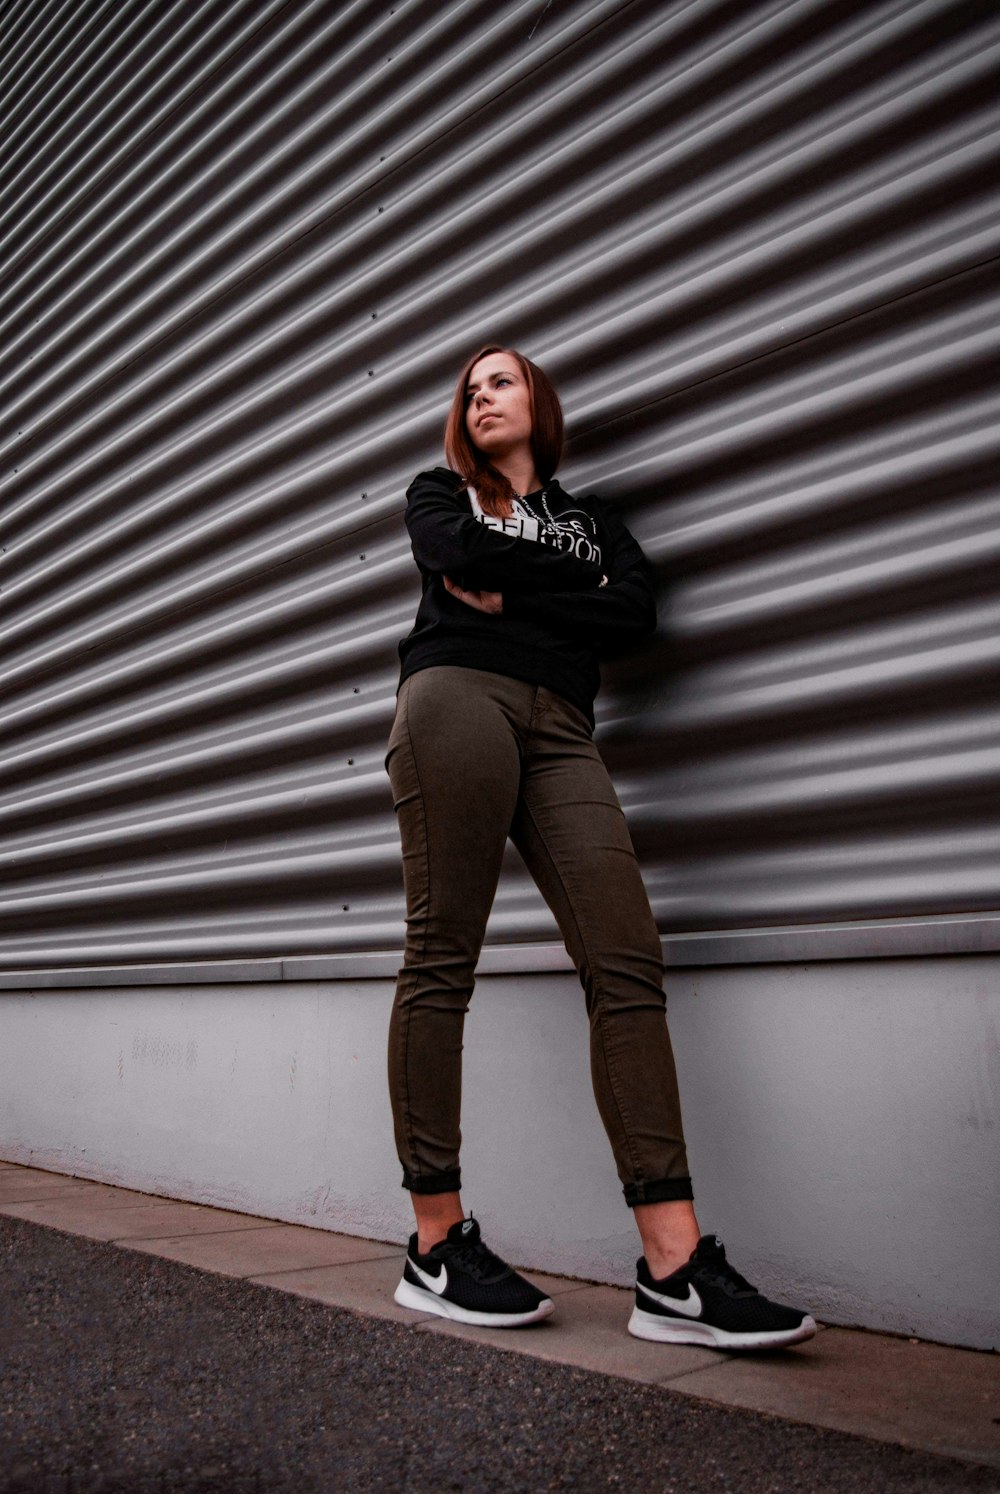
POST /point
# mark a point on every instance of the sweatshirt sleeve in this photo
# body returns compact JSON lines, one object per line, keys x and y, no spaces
{"x":449,"y":541}
{"x":620,"y":613}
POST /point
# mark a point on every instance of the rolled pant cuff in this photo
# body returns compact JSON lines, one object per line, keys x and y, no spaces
{"x":665,"y":1190}
{"x":437,"y":1182}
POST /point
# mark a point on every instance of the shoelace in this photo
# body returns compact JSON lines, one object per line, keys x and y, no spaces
{"x":724,"y":1276}
{"x":478,"y":1261}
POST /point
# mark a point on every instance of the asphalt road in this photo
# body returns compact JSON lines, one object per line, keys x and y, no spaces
{"x":121,"y":1372}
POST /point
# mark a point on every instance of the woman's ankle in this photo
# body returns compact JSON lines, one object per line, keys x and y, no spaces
{"x":435,"y":1214}
{"x":669,"y":1233}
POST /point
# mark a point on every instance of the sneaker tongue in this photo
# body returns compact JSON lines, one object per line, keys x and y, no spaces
{"x":466,"y":1232}
{"x":711,"y":1249}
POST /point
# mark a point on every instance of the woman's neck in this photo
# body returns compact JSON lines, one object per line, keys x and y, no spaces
{"x":519,"y":470}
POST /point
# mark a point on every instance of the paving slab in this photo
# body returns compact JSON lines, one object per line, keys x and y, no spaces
{"x":39,"y":1174}
{"x":14,"y":1186}
{"x":367,"y":1285}
{"x":364,"y":1286}
{"x":893,"y":1389}
{"x":588,"y":1330}
{"x":99,"y":1219}
{"x":257,"y":1252}
{"x":17,"y":1184}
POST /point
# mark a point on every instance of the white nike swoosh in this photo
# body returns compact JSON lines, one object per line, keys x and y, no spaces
{"x":690,"y":1306}
{"x":437,"y":1284}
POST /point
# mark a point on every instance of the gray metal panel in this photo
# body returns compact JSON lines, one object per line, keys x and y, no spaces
{"x":245,"y":248}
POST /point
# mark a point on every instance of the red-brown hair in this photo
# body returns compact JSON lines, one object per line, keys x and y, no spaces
{"x":494,"y":492}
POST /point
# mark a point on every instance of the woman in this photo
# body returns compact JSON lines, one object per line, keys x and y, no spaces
{"x":523,"y":585}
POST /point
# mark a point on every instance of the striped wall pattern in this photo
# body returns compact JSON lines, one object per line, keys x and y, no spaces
{"x":245,"y":245}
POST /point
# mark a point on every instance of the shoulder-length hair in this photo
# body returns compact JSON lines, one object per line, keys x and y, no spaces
{"x":493,"y":491}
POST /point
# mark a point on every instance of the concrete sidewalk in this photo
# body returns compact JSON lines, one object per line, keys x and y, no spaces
{"x":904,"y":1393}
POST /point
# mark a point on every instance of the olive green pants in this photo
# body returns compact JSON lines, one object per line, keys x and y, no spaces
{"x":474,"y":758}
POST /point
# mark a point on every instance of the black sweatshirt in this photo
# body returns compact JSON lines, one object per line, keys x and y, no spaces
{"x":548,"y":561}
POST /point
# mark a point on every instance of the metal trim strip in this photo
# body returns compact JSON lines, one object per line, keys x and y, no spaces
{"x":898,"y":938}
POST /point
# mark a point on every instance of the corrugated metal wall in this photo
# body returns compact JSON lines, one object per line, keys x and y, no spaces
{"x":246,"y":246}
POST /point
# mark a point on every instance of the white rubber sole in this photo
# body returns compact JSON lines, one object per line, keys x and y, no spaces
{"x":659,"y":1330}
{"x":410,"y":1296}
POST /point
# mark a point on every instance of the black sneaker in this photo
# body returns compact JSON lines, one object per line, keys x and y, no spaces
{"x":461,"y":1279}
{"x":707,"y":1302}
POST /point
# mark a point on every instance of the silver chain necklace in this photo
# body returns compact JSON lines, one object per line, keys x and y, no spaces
{"x":553,"y":526}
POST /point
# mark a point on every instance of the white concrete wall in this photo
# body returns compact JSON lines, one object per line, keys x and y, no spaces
{"x":843,"y":1120}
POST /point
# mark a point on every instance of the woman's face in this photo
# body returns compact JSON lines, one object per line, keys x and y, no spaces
{"x":498,"y":406}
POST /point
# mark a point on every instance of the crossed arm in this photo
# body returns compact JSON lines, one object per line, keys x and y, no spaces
{"x":607,"y":605}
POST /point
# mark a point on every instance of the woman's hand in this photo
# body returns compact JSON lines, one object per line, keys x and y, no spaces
{"x":482,"y":601}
